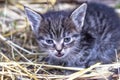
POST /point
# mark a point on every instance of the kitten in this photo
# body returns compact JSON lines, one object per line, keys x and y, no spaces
{"x":77,"y":38}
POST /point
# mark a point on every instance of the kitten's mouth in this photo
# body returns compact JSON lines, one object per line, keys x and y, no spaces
{"x":59,"y":54}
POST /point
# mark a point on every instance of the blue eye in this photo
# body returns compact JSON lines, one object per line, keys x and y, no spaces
{"x":49,"y":41}
{"x":67,"y":39}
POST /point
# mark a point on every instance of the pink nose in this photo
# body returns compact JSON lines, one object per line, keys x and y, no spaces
{"x":59,"y":47}
{"x":59,"y":51}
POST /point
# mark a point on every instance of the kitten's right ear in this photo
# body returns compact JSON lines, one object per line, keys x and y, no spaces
{"x":78,"y":16}
{"x":34,"y":18}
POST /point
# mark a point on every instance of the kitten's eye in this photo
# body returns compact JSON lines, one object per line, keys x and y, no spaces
{"x":68,"y":39}
{"x":49,"y":41}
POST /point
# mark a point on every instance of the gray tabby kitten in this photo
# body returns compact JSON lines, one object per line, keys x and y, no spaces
{"x":77,"y":38}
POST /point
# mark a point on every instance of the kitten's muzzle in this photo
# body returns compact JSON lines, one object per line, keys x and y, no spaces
{"x":59,"y":48}
{"x":59,"y":54}
{"x":59,"y":51}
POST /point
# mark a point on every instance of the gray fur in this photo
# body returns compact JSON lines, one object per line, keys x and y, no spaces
{"x":94,"y":41}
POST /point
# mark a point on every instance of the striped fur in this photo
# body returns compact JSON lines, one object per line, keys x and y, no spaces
{"x":79,"y":40}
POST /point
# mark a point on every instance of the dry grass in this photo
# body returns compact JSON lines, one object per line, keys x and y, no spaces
{"x":19,"y":52}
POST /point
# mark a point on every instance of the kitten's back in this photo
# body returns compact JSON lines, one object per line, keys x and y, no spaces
{"x":102,"y":20}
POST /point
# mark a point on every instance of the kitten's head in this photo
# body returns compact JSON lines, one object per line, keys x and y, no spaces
{"x":57,"y":33}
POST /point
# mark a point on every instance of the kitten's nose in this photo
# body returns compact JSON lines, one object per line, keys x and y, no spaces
{"x":59,"y":50}
{"x":59,"y":47}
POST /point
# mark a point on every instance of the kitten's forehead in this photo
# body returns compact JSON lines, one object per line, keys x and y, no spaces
{"x":57,"y":25}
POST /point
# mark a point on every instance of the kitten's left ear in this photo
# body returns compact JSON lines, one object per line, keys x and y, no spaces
{"x":78,"y":16}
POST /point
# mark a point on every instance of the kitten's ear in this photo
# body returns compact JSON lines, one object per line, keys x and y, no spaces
{"x":34,"y":18}
{"x":78,"y":16}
